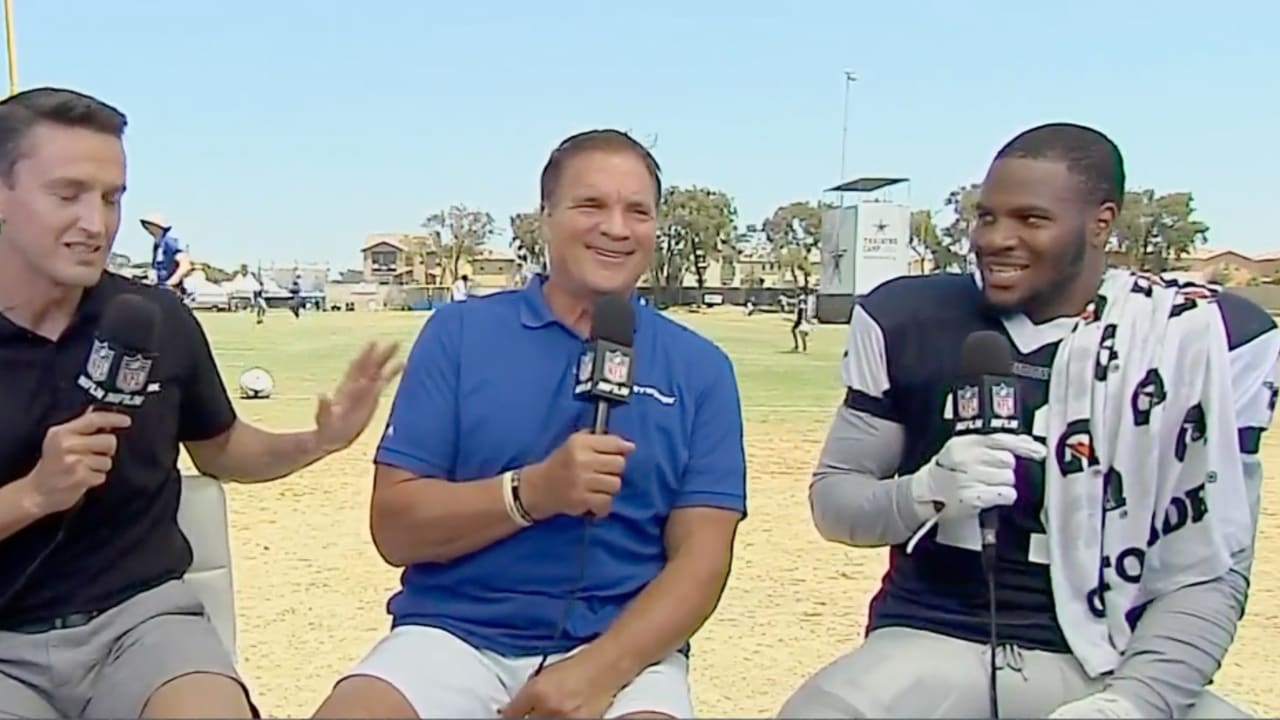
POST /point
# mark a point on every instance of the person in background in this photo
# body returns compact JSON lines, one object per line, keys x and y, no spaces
{"x":295,"y":295}
{"x":802,"y":325}
{"x":169,"y":260}
{"x":461,"y":289}
{"x":259,"y":299}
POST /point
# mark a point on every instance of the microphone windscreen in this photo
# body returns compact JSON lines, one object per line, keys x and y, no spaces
{"x":986,"y":352}
{"x":130,"y":323}
{"x":613,"y":319}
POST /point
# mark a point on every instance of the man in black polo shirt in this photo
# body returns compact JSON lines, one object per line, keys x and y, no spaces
{"x":95,"y":619}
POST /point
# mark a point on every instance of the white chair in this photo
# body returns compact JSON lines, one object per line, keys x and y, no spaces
{"x":202,"y":514}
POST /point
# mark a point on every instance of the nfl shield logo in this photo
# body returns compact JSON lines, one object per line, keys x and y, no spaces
{"x":1002,"y":395}
{"x":584,"y":365}
{"x":617,"y":366}
{"x":967,"y":402}
{"x":99,"y":364}
{"x":132,"y":377}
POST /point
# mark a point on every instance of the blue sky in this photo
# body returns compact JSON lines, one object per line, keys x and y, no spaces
{"x":288,"y":130}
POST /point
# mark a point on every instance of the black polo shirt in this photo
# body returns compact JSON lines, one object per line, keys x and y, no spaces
{"x":124,"y":538}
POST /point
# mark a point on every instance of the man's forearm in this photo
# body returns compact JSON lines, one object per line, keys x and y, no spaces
{"x":1179,"y":645}
{"x":662,"y":617}
{"x":180,"y":272}
{"x":249,"y":454}
{"x":18,"y":508}
{"x":1182,"y":638}
{"x":853,"y":497}
{"x":427,"y":520}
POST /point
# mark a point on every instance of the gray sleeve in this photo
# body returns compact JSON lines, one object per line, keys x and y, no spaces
{"x":854,"y":497}
{"x":1182,"y":638}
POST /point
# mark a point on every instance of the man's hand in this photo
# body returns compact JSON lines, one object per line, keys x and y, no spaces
{"x":76,"y":456}
{"x":974,"y":472}
{"x":341,"y":418}
{"x":579,"y":477}
{"x":575,"y":687}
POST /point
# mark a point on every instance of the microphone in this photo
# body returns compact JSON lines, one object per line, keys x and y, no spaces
{"x":118,"y":368}
{"x":987,"y":401}
{"x":604,"y":368}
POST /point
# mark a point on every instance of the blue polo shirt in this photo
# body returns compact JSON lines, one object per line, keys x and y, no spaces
{"x":164,"y":256}
{"x":488,"y":387}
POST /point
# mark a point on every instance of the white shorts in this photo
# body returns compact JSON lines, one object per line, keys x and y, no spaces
{"x":443,"y":677}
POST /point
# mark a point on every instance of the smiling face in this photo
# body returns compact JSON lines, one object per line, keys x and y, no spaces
{"x":601,"y":221}
{"x":61,"y":204}
{"x":1039,"y":239}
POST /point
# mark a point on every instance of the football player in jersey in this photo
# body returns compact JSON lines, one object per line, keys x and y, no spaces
{"x":1048,"y":206}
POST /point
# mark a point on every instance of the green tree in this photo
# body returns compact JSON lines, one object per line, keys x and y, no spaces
{"x":460,"y":232}
{"x":794,"y":233}
{"x":954,"y":246}
{"x":1156,"y":231}
{"x":928,"y":244}
{"x":696,"y":224}
{"x":526,"y":240}
{"x":214,"y":274}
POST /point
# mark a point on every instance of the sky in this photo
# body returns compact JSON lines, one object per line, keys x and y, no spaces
{"x":286,"y":131}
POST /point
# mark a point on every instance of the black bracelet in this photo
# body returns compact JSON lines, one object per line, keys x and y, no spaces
{"x":515,"y":497}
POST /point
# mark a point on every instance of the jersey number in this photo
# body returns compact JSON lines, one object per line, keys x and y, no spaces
{"x":964,"y":532}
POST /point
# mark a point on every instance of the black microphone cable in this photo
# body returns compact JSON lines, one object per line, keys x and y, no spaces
{"x":40,"y":559}
{"x":989,"y":569}
{"x":613,"y":327}
{"x":579,"y":585}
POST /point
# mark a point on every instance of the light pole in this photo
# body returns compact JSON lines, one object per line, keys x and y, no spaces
{"x":11,"y":47}
{"x":849,"y":79}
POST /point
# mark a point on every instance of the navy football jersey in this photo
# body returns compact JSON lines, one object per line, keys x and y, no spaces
{"x":901,"y":361}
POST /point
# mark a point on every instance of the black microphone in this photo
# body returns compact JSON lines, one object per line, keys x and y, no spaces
{"x":118,"y":369}
{"x":604,"y":368}
{"x":987,"y":401}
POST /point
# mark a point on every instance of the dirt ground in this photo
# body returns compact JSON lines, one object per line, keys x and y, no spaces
{"x":794,"y":601}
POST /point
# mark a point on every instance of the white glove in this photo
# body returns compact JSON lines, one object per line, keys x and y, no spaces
{"x":974,"y":472}
{"x":1098,"y":705}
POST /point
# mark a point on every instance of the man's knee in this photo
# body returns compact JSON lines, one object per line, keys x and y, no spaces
{"x":199,"y":695}
{"x":365,"y":696}
{"x":20,"y":701}
{"x":659,"y":691}
{"x":1213,"y":705}
{"x":812,"y":700}
{"x":897,"y":672}
{"x":170,"y":665}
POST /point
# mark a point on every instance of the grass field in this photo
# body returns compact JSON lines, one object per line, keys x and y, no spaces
{"x":311,"y":590}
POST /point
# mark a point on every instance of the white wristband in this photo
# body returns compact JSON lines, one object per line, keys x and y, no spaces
{"x":509,"y":500}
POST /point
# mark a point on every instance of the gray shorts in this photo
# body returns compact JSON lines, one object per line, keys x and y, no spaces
{"x":905,"y":673}
{"x":110,"y":666}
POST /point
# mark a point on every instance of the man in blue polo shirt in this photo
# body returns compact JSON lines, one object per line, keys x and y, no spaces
{"x":550,"y":572}
{"x":169,"y":260}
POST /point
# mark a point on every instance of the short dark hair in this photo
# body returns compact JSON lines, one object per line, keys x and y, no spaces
{"x":22,"y":112}
{"x":592,"y":140}
{"x":1089,"y":155}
